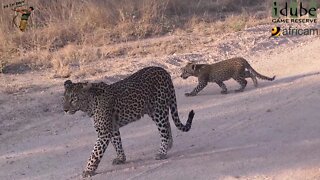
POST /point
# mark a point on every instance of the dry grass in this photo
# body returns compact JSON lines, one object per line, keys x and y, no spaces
{"x":15,"y":88}
{"x":65,"y":34}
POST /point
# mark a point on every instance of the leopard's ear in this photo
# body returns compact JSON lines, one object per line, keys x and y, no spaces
{"x":86,"y":86}
{"x":67,"y":84}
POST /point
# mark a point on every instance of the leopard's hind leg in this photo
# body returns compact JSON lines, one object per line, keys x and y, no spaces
{"x":161,"y":118}
{"x":243,"y":83}
{"x":170,"y":144}
{"x":117,"y":144}
{"x":248,"y":74}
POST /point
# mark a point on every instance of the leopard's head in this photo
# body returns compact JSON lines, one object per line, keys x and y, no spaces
{"x":188,"y":70}
{"x":76,"y":96}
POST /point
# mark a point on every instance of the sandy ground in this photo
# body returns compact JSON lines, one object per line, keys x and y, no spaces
{"x":269,"y":132}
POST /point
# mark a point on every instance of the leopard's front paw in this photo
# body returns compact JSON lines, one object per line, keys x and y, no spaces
{"x":189,"y":94}
{"x":86,"y":174}
{"x":160,"y":156}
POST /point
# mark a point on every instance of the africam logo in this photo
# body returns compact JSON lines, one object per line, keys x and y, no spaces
{"x":292,"y":31}
{"x":275,"y":32}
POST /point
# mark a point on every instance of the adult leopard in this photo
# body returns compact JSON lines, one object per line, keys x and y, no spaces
{"x":148,"y":91}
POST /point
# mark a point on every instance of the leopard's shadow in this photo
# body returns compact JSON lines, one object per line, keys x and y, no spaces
{"x":134,"y":164}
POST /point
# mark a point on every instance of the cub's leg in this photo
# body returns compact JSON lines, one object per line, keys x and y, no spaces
{"x":201,"y":84}
{"x":223,"y":86}
{"x":248,"y":74}
{"x":161,"y":118}
{"x":243,"y":83}
{"x":117,"y":144}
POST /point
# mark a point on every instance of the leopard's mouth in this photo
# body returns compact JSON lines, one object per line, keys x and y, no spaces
{"x":67,"y":111}
{"x":184,"y":77}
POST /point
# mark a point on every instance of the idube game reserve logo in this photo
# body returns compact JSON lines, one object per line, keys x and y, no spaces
{"x":293,"y":13}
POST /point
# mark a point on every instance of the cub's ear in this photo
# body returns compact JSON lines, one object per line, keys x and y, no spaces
{"x":193,"y":67}
{"x":191,"y":62}
{"x":67,"y":84}
{"x":86,"y":86}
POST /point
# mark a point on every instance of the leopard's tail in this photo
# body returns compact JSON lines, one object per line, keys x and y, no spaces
{"x":175,"y":114}
{"x":255,"y":73}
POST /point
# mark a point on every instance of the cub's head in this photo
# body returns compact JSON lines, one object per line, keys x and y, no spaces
{"x":75,"y":96}
{"x":188,"y":70}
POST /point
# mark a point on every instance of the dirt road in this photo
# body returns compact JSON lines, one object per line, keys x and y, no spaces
{"x":269,"y":132}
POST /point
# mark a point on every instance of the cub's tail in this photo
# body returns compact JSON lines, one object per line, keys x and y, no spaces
{"x":260,"y":76}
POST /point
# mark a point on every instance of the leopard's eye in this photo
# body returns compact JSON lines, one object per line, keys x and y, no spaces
{"x":75,"y":99}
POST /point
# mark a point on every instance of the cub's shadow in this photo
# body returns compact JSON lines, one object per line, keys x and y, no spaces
{"x":293,"y":78}
{"x":214,"y":89}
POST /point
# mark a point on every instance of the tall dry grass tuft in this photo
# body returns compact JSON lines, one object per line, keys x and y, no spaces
{"x":57,"y":25}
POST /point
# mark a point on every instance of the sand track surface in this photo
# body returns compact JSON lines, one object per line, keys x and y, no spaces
{"x":269,"y":132}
